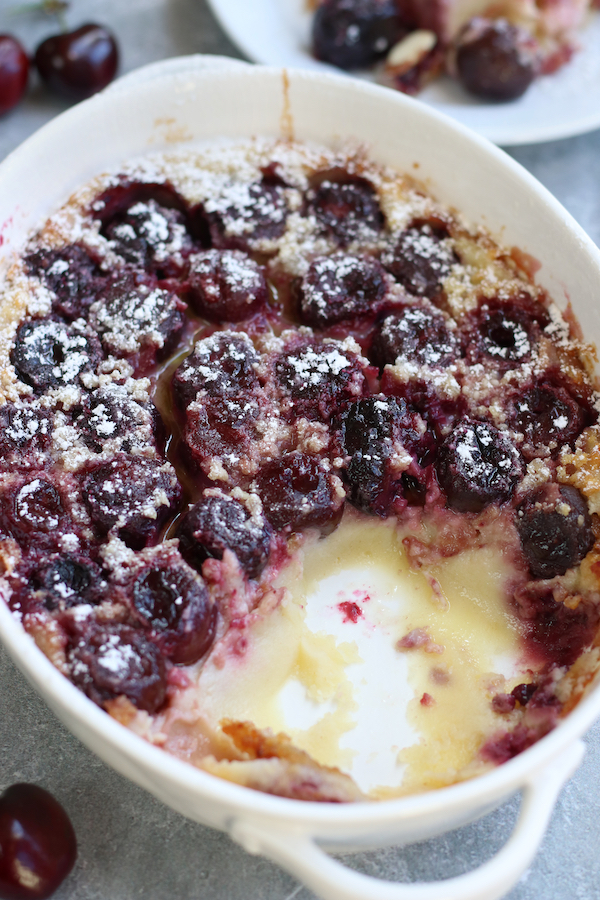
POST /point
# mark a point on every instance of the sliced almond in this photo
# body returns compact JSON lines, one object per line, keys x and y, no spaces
{"x":408,"y":52}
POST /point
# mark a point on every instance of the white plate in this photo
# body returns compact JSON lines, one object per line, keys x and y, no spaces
{"x":276,"y":32}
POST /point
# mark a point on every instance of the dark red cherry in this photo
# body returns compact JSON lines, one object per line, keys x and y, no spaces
{"x":495,"y":60}
{"x":548,"y":417}
{"x":557,"y":632}
{"x":219,"y":522}
{"x":133,"y":495}
{"x":297,"y":492}
{"x":14,"y":72}
{"x":222,"y":427}
{"x":111,"y":419}
{"x":225,"y":285}
{"x":138,"y":321}
{"x":555,"y":528}
{"x":174,"y":603}
{"x":107,"y":661}
{"x":524,"y":692}
{"x":247,"y":213}
{"x":347,"y":210}
{"x":37,"y":507}
{"x":319,"y":379}
{"x":416,"y":334}
{"x":353,"y":34}
{"x":340,"y":287}
{"x":48,"y":353}
{"x":420,"y":259}
{"x":369,"y":432}
{"x":79,"y":63}
{"x":477,"y":465}
{"x":223,"y":364}
{"x":25,"y":432}
{"x":38,"y":847}
{"x":505,"y":332}
{"x":150,"y":236}
{"x":72,"y":275}
{"x":65,"y":581}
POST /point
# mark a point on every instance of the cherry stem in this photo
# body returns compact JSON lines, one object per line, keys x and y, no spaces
{"x":55,"y":8}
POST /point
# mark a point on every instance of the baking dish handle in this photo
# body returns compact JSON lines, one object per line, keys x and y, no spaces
{"x":331,"y":880}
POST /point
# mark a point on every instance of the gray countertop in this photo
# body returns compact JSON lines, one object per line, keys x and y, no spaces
{"x":131,"y":845}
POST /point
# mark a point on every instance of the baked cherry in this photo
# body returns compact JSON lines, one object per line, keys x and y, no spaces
{"x":14,"y":72}
{"x":150,"y":236}
{"x":377,"y":433}
{"x":219,"y":522}
{"x":557,"y":631}
{"x":78,"y":63}
{"x":505,"y":332}
{"x":72,"y":275}
{"x":548,"y":417}
{"x":48,"y":353}
{"x":65,"y":581}
{"x":297,"y":492}
{"x":25,"y":432}
{"x":555,"y":528}
{"x":225,"y":285}
{"x":421,"y":259}
{"x":524,"y":692}
{"x":477,"y":465}
{"x":174,"y":603}
{"x":319,"y":378}
{"x":112,"y":420}
{"x":138,"y":321}
{"x":496,"y":60}
{"x":37,"y":507}
{"x":38,"y":847}
{"x":246,"y":214}
{"x":353,"y":34}
{"x":347,"y":210}
{"x":340,"y":287}
{"x":109,"y":660}
{"x":223,"y":364}
{"x":415,"y":334}
{"x":221,"y":427}
{"x":132,"y":495}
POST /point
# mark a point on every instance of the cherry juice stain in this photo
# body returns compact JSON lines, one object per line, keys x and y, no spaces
{"x":351,"y":611}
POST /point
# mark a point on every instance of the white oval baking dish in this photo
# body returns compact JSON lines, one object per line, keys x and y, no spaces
{"x":188,"y":102}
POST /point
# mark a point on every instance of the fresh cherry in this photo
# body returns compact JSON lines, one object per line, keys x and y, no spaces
{"x":79,"y":63}
{"x":495,"y":60}
{"x":38,"y":847}
{"x":14,"y":72}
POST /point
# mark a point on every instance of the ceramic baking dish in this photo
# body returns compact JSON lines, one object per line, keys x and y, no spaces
{"x":172,"y":105}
